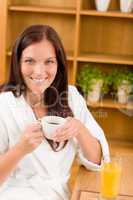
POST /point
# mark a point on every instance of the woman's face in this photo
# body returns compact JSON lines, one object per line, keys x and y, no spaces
{"x":39,"y":66}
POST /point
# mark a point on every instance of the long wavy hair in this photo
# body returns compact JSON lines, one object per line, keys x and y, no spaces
{"x":34,"y":34}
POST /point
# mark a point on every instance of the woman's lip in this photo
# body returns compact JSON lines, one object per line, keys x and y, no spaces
{"x":37,"y":80}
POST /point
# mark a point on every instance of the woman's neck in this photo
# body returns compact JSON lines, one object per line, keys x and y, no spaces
{"x":34,"y":100}
{"x":37,"y":104}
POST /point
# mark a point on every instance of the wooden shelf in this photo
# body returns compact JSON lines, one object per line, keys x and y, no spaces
{"x":105,"y":58}
{"x":106,"y":14}
{"x":70,"y":56}
{"x":109,"y":103}
{"x":42,"y":9}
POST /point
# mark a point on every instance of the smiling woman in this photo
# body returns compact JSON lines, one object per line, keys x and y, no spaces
{"x":39,"y":66}
{"x":31,"y":164}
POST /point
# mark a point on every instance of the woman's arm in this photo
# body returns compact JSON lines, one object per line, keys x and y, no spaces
{"x":91,"y":141}
{"x":29,"y":141}
{"x":90,"y":146}
{"x":9,"y":161}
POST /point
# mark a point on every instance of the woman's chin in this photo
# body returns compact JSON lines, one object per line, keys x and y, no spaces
{"x":37,"y":91}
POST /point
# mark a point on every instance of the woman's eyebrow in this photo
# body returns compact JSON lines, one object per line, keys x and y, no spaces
{"x":30,"y":57}
{"x":51,"y":57}
{"x":25,"y":57}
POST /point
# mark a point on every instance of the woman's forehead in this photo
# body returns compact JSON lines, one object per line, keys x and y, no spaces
{"x":40,"y":50}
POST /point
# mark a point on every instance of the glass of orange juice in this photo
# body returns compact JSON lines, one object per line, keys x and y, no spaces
{"x":110,"y":179}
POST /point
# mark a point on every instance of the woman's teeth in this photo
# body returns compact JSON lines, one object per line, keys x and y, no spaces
{"x":38,"y":80}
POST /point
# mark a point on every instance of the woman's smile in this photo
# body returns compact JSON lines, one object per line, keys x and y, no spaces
{"x":39,"y":66}
{"x":39,"y":81}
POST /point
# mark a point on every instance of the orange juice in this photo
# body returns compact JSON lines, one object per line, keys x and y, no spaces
{"x":110,"y":180}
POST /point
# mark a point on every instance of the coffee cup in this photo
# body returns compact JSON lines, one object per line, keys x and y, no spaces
{"x":50,"y":124}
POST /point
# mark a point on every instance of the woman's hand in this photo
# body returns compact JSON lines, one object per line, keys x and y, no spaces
{"x":31,"y":138}
{"x":75,"y":128}
{"x":72,"y":128}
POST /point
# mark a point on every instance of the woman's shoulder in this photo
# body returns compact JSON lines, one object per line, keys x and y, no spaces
{"x":74,"y":96}
{"x":4,"y":96}
{"x":72,"y":89}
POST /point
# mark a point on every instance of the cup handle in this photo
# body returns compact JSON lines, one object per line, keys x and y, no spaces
{"x":39,"y":120}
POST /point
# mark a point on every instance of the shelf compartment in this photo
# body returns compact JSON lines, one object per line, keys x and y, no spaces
{"x":105,"y":35}
{"x":62,"y":24}
{"x":109,"y":103}
{"x":116,"y":123}
{"x":105,"y":58}
{"x":90,"y":5}
{"x":46,"y":3}
{"x":42,"y":9}
{"x":113,"y":13}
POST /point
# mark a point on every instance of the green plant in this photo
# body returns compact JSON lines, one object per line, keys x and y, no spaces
{"x":118,"y":77}
{"x":86,"y":77}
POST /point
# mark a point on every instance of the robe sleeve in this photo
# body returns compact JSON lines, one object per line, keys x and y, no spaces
{"x":82,"y":113}
{"x":4,"y":140}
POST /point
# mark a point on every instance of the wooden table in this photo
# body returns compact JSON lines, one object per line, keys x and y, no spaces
{"x":87,"y":182}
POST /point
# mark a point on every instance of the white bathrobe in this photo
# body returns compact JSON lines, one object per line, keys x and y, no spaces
{"x":43,"y":174}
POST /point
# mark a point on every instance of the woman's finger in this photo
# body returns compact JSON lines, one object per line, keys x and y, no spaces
{"x":66,"y":135}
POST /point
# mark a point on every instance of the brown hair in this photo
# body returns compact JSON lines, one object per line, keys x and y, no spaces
{"x":16,"y":84}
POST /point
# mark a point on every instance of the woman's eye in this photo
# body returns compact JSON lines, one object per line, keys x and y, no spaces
{"x":29,"y":61}
{"x":50,"y":62}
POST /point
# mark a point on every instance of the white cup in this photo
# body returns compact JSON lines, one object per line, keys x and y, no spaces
{"x":50,"y":124}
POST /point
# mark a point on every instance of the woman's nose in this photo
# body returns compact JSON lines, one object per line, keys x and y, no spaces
{"x":39,"y":69}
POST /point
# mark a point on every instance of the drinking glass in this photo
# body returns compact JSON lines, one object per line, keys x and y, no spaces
{"x":110,"y":179}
